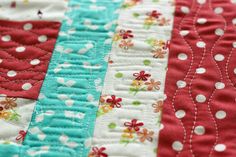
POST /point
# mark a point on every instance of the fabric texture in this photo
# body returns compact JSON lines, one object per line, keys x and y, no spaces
{"x":199,"y":111}
{"x":24,"y":61}
{"x":65,"y":113}
{"x":24,"y":10}
{"x":128,"y":117}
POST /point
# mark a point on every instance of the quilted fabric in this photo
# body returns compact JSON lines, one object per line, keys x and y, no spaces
{"x":133,"y":92}
{"x":200,"y":105}
{"x":24,"y":62}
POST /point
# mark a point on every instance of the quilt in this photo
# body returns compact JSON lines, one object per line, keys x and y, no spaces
{"x":117,"y":78}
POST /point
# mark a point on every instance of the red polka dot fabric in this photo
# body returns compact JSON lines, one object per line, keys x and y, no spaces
{"x":199,"y":112}
{"x":25,"y":50}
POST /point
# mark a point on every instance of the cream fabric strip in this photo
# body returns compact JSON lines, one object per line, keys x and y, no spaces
{"x":22,"y":10}
{"x":128,"y":118}
{"x":15,"y":117}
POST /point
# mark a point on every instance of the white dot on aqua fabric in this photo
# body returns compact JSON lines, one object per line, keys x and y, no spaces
{"x":219,"y":32}
{"x":220,"y":114}
{"x":200,"y":98}
{"x":35,"y":62}
{"x":6,"y":38}
{"x":201,"y":44}
{"x":234,"y":21}
{"x":42,"y":38}
{"x":177,"y":146}
{"x":20,"y":49}
{"x":218,"y":10}
{"x":201,"y":21}
{"x":185,"y":10}
{"x":200,"y":70}
{"x":180,"y":114}
{"x":219,"y":85}
{"x":199,"y":130}
{"x":28,"y":26}
{"x":201,"y":1}
{"x":184,"y":32}
{"x":26,"y":86}
{"x":220,"y":147}
{"x":181,"y":84}
{"x":182,"y":56}
{"x":11,"y":73}
{"x":219,"y":57}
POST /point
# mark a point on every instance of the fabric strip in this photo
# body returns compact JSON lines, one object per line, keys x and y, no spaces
{"x":65,"y":113}
{"x":199,"y":111}
{"x":128,"y":118}
{"x":23,"y":10}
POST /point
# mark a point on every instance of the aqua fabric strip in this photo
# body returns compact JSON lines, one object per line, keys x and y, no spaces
{"x":65,"y":113}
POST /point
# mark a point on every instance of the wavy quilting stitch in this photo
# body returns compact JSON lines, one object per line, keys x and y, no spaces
{"x":199,"y":105}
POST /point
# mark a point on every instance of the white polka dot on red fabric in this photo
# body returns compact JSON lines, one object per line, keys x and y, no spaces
{"x":11,"y":73}
{"x":220,"y":147}
{"x":233,"y":1}
{"x":220,"y":114}
{"x":200,"y":98}
{"x":219,"y":32}
{"x":201,"y":21}
{"x":234,"y":44}
{"x":26,"y":86}
{"x":177,"y":146}
{"x":20,"y":49}
{"x":184,"y":32}
{"x":182,"y":56}
{"x":181,"y":84}
{"x":219,"y":57}
{"x":35,"y":62}
{"x":201,"y":1}
{"x":6,"y":38}
{"x":199,"y":130}
{"x":201,"y":44}
{"x":234,"y":70}
{"x":200,"y":70}
{"x":1,"y":60}
{"x":218,"y":10}
{"x":42,"y":38}
{"x":28,"y":26}
{"x":180,"y":114}
{"x":184,"y":9}
{"x":219,"y":85}
{"x":234,"y":21}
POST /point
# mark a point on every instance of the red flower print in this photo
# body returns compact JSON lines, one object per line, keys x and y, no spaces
{"x":21,"y":135}
{"x":114,"y":102}
{"x":126,"y":34}
{"x":141,"y":76}
{"x":154,"y":14}
{"x":98,"y":152}
{"x":157,"y":106}
{"x":133,"y":125}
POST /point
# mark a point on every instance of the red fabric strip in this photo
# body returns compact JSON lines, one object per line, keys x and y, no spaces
{"x":25,"y":50}
{"x":199,"y":112}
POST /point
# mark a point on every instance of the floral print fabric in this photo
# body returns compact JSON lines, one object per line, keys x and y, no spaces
{"x":128,"y":118}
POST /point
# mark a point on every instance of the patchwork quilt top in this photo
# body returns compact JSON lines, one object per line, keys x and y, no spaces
{"x":117,"y":78}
